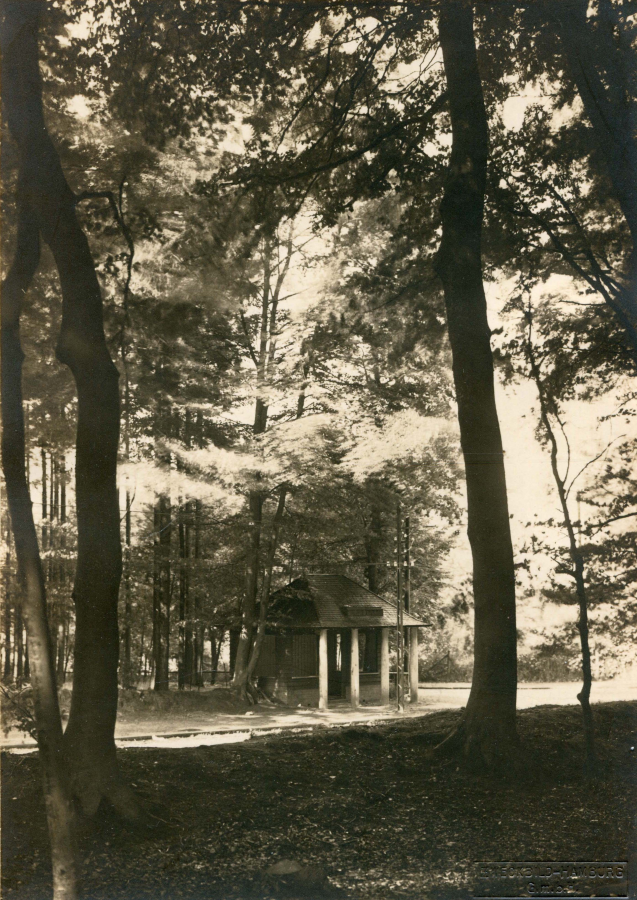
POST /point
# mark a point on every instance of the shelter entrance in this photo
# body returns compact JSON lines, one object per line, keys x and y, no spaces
{"x":339,"y":645}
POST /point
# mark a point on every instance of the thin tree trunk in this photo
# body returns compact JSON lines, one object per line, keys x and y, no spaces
{"x":267,"y":582}
{"x":197,"y":512}
{"x":62,"y":489}
{"x":215,"y":652}
{"x":373,"y":542}
{"x":578,"y":564}
{"x":8,"y":656}
{"x":19,"y":643}
{"x":44,"y":499}
{"x":185,"y":633}
{"x":55,"y":488}
{"x":488,"y":727}
{"x":89,"y":738}
{"x":18,"y":20}
{"x":156,"y":597}
{"x":27,"y":445}
{"x":162,"y":682}
{"x":240,"y":679}
{"x":61,"y":652}
{"x":127,"y":673}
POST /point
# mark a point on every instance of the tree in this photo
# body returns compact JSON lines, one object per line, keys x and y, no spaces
{"x":601,"y":59}
{"x":89,"y":739}
{"x":561,"y":188}
{"x":19,"y":33}
{"x":488,"y":727}
{"x":549,"y":409}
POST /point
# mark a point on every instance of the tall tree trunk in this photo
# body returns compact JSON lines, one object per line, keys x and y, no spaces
{"x":19,"y":19}
{"x":89,"y":738}
{"x":488,"y":727}
{"x":612,"y":110}
{"x":256,"y":498}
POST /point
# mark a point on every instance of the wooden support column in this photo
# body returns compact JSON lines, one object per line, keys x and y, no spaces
{"x":323,"y":678}
{"x":283,"y":663}
{"x":413,"y":664}
{"x":384,"y":667}
{"x":354,"y":679}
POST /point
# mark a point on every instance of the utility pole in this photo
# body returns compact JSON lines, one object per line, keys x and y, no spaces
{"x":407,"y":565}
{"x":406,"y":593}
{"x":400,"y":631}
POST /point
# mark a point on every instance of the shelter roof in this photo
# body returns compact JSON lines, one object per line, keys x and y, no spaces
{"x":332,"y":601}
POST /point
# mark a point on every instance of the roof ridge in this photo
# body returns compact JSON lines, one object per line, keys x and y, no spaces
{"x":373,"y":593}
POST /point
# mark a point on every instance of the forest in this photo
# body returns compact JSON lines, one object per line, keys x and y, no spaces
{"x":272,"y":271}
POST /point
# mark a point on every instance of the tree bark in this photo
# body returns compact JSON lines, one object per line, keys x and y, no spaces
{"x":488,"y":727}
{"x":89,"y":737}
{"x":57,"y":797}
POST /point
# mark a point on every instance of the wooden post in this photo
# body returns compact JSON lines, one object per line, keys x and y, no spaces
{"x":283,"y":644}
{"x":413,"y":663}
{"x":354,"y":679}
{"x":384,"y":667}
{"x":323,"y":682}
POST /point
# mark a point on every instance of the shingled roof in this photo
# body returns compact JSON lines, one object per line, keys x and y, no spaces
{"x":331,"y":601}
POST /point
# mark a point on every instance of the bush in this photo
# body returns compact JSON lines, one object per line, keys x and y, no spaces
{"x":17,"y":709}
{"x":544,"y":667}
{"x":444,"y":668}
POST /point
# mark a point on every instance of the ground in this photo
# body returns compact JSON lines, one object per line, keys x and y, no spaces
{"x":362,"y":804}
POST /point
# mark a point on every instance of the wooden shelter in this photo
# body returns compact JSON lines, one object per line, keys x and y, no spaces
{"x":327,"y":638}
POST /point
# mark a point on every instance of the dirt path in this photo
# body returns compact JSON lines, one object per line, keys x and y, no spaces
{"x":177,"y":728}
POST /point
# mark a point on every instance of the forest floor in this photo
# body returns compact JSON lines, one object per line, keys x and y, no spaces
{"x":363,"y":809}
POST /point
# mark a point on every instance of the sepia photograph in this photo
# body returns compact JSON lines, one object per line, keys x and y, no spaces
{"x":318,"y":496}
